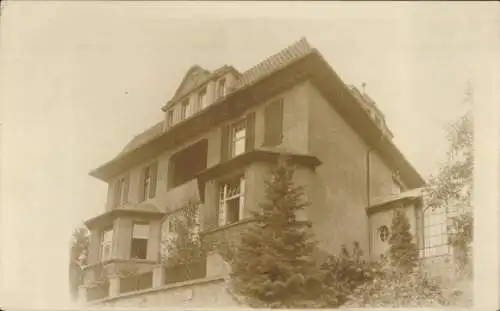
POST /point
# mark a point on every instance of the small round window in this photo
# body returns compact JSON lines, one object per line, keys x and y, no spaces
{"x":383,"y":233}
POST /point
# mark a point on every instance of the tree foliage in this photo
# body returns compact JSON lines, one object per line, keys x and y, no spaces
{"x":403,"y":251}
{"x":272,"y":265}
{"x":78,"y":259}
{"x":183,"y":245}
{"x":343,"y":274}
{"x":398,"y":280}
{"x":452,"y":187}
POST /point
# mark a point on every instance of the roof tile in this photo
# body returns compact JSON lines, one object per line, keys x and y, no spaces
{"x":274,"y":63}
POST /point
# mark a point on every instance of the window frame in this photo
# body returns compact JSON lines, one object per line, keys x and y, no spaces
{"x":147,"y":182}
{"x":105,"y":243}
{"x":202,"y":98}
{"x":223,"y":199}
{"x":221,"y":88}
{"x":170,"y":118}
{"x":435,"y":243}
{"x":186,"y":109}
{"x":121,"y":193}
{"x":234,"y":141}
{"x":134,"y":224}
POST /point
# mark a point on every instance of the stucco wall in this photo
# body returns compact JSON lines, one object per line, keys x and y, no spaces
{"x":295,"y":120}
{"x":211,"y":294}
{"x":295,"y":128}
{"x":340,"y":186}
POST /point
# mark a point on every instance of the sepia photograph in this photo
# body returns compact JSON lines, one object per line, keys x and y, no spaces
{"x":239,"y":154}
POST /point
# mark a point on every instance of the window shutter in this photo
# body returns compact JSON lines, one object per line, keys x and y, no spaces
{"x":273,"y":123}
{"x":125,"y":195}
{"x":115,"y":198}
{"x":142,"y":195}
{"x":224,"y":143}
{"x":154,"y":173}
{"x":250,"y":132}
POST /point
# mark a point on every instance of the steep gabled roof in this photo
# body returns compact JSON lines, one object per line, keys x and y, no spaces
{"x":193,"y":78}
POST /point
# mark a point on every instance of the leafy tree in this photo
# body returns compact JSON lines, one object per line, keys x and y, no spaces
{"x":183,"y":248}
{"x":451,"y":188}
{"x":403,"y":252}
{"x":78,"y":259}
{"x":272,"y":265}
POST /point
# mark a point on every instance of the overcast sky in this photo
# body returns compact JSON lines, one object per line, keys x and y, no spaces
{"x":79,"y":79}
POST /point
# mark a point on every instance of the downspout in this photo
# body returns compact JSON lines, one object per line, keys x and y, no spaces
{"x":368,"y":200}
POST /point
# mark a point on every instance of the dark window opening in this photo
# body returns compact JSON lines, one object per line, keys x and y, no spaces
{"x":139,"y":247}
{"x":233,"y":210}
{"x":186,"y":164}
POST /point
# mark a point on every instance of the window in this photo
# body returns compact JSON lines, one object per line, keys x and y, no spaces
{"x":238,"y":137}
{"x":435,"y":233}
{"x":121,"y":194}
{"x":202,"y":99}
{"x":106,"y":244}
{"x":170,"y":118}
{"x":186,"y":164}
{"x":186,"y":109}
{"x":149,"y":182}
{"x":221,"y":88}
{"x":140,"y":234}
{"x":231,"y":200}
{"x":273,"y":123}
{"x":238,"y":133}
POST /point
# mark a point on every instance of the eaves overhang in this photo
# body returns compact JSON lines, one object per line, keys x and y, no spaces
{"x":253,"y":156}
{"x":107,"y":217}
{"x":389,"y":202}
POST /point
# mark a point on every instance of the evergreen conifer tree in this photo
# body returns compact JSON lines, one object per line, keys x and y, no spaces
{"x":273,"y":263}
{"x":403,"y":251}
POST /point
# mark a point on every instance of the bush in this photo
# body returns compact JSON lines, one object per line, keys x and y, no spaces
{"x":393,"y":287}
{"x":343,"y":274}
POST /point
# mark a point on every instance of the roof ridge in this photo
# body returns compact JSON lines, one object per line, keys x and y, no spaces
{"x":279,"y":60}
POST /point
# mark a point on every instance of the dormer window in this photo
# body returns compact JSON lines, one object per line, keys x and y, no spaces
{"x":186,"y":109}
{"x":221,"y":88}
{"x":202,"y":99}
